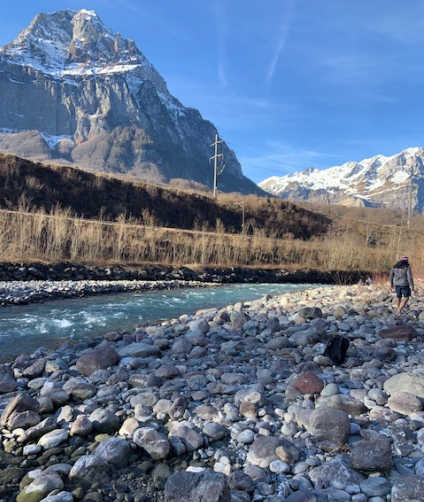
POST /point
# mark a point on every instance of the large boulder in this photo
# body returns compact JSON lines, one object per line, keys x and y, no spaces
{"x":40,"y":487}
{"x":205,"y":486}
{"x":23,"y":420}
{"x":114,"y":451}
{"x":405,"y":403}
{"x":104,"y":420}
{"x":352,"y":406}
{"x":191,"y":438}
{"x":405,"y":382}
{"x":329,"y":424}
{"x":53,"y":438}
{"x":372,"y":454}
{"x":334,"y":473}
{"x":46,"y":425}
{"x":408,"y":489}
{"x":7,"y":380}
{"x":267,"y":449}
{"x":99,"y":358}
{"x":308,"y":383}
{"x":89,"y":467}
{"x":402,"y":332}
{"x":152,"y":441}
{"x":138,"y":350}
{"x":21,"y":402}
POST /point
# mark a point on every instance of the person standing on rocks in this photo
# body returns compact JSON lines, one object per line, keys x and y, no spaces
{"x":401,"y":280}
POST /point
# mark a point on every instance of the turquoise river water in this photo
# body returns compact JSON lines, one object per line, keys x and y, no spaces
{"x":25,"y":328}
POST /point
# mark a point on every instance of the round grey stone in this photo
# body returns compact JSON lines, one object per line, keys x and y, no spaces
{"x":375,"y":486}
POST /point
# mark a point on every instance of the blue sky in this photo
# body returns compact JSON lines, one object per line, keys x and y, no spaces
{"x":289,"y":84}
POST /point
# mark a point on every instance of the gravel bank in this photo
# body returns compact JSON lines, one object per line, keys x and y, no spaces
{"x":235,"y":404}
{"x":22,"y":293}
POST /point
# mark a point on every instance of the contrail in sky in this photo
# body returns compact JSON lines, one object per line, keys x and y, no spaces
{"x":283,"y":35}
{"x":221,"y":19}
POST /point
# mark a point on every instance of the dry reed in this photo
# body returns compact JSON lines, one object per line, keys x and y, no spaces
{"x":28,"y":236}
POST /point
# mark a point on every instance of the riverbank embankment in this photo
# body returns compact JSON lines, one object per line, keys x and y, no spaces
{"x":25,"y":292}
{"x":21,"y":284}
{"x":78,"y":272}
{"x":240,"y":402}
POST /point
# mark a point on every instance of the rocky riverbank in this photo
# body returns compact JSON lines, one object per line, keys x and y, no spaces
{"x":24,"y":292}
{"x":81,"y":272}
{"x":235,"y":404}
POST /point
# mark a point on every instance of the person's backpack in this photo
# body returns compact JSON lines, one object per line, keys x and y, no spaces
{"x":336,"y":349}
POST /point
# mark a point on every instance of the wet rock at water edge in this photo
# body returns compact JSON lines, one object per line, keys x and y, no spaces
{"x":8,"y":382}
{"x":100,"y":358}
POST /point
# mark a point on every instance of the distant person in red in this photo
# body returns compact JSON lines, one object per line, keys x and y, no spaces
{"x":401,"y":280}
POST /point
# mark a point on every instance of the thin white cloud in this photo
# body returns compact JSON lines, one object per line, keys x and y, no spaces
{"x":282,"y":38}
{"x":222,"y":29}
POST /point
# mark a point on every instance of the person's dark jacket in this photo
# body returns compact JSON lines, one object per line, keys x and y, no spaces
{"x":401,"y":275}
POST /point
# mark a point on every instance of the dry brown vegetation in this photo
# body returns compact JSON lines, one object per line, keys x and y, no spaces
{"x":58,"y":237}
{"x":133,"y":223}
{"x":99,"y":196}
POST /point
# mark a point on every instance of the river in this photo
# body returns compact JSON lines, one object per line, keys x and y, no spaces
{"x":25,"y":328}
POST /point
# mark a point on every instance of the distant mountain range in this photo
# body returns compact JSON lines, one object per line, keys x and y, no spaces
{"x":378,"y":181}
{"x":72,"y":91}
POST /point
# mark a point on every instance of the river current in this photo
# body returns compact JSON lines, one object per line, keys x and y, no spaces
{"x":25,"y":328}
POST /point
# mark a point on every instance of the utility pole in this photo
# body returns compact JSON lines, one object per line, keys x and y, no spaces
{"x":216,"y":156}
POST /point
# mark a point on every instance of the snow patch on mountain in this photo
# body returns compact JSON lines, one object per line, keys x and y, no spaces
{"x":53,"y":140}
{"x":75,"y":44}
{"x":365,"y":180}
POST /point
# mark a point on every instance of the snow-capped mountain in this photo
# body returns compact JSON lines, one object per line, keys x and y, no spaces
{"x":72,"y":90}
{"x":378,"y":181}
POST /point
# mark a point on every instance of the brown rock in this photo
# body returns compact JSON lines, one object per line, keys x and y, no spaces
{"x":405,"y":403}
{"x":308,"y":383}
{"x":329,"y":424}
{"x":248,"y":410}
{"x":100,"y":358}
{"x":398,"y":332}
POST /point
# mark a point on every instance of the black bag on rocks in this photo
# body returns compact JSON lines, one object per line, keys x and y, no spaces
{"x":336,"y":349}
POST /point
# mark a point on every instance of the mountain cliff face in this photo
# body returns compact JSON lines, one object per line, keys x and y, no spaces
{"x":73,"y":91}
{"x":379,"y":181}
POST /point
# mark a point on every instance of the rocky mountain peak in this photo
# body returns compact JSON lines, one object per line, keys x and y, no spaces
{"x":79,"y":93}
{"x":75,"y":43}
{"x":376,"y":181}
